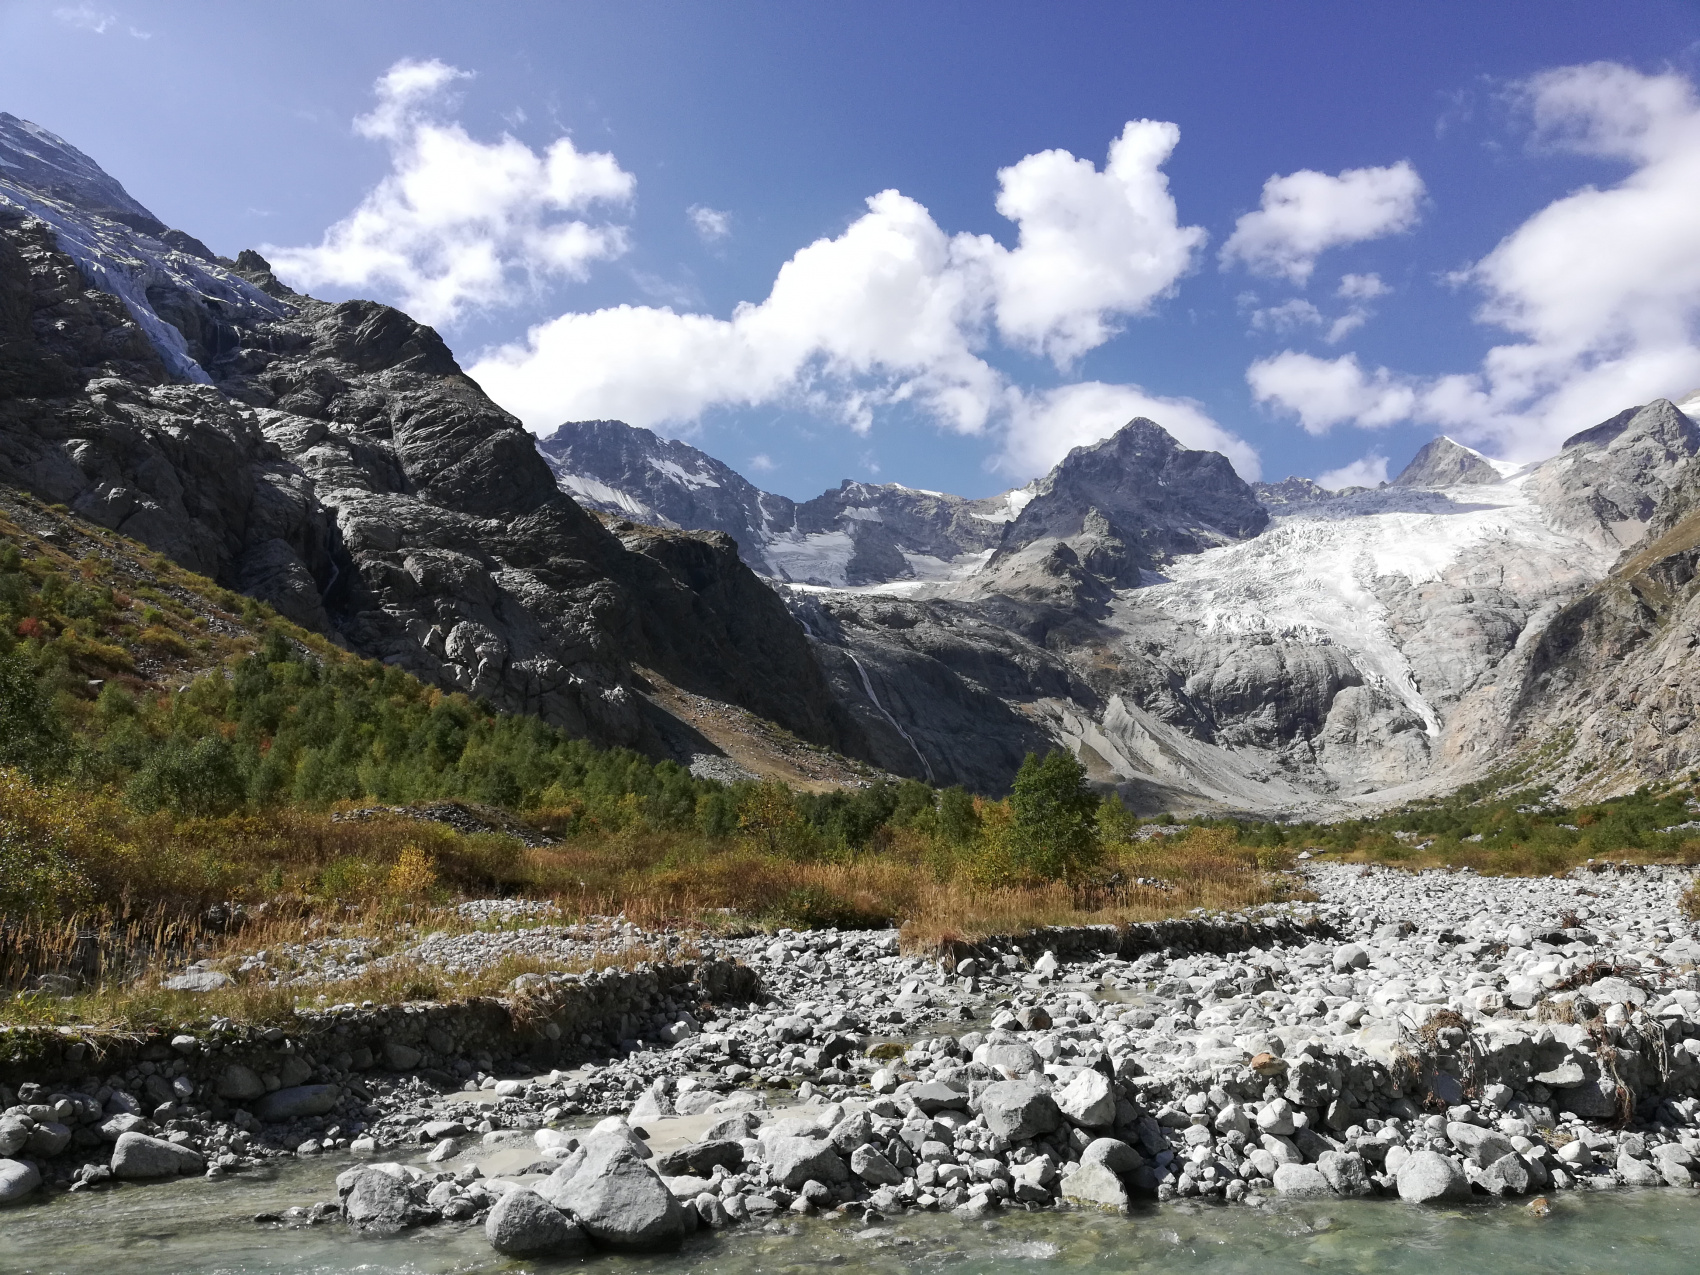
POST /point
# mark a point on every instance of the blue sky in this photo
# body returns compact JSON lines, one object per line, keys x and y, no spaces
{"x":1453,"y":180}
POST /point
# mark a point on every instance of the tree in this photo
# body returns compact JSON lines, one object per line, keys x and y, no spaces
{"x":1055,"y":829}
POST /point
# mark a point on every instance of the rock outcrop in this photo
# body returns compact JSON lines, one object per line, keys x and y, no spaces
{"x":334,"y":461}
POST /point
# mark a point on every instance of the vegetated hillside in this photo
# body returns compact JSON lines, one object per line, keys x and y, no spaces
{"x":171,"y":746}
{"x":1506,"y":825}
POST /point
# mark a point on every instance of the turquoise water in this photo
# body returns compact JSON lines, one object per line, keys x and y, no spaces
{"x":202,"y":1227}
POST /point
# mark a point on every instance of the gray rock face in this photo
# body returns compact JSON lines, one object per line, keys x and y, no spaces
{"x":618,"y":1199}
{"x":401,"y":1057}
{"x":298,"y":1101}
{"x":138,"y":1158}
{"x":378,"y":1203}
{"x":17,"y":1179}
{"x":115,"y":1127}
{"x":1635,"y":1172}
{"x":1019,"y":1109}
{"x":1482,"y":1146}
{"x":792,"y":1161}
{"x":1428,"y":1175}
{"x":523,"y":1224}
{"x":1508,"y":1175}
{"x":14,"y":1133}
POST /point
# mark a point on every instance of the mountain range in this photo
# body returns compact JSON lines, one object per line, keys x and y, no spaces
{"x":1199,"y":642}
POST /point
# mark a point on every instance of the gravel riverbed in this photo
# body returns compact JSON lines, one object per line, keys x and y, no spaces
{"x":1429,"y":1037}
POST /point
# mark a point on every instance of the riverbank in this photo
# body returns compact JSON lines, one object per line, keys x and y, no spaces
{"x":1427,"y":1036}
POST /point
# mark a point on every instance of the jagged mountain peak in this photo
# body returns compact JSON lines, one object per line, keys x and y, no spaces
{"x":1445,"y":462}
{"x":1157,"y":496}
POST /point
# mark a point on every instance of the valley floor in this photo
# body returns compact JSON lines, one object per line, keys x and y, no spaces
{"x":1424,"y":1035}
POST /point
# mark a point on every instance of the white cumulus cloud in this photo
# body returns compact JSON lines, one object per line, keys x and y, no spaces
{"x":893,"y":310}
{"x":711,"y":224}
{"x":1324,"y":393}
{"x":1366,"y":471}
{"x":1045,"y":426}
{"x":459,"y":223}
{"x":1361,"y":287}
{"x":1093,"y":245}
{"x":1600,"y":290}
{"x":1305,"y":213}
{"x":1289,"y":316}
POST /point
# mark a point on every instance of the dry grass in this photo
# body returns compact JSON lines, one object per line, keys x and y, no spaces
{"x":142,"y":1004}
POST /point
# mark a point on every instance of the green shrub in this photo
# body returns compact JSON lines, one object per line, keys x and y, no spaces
{"x":33,"y":736}
{"x":1053,"y":835}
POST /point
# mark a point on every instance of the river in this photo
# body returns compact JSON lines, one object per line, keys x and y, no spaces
{"x":206,"y":1227}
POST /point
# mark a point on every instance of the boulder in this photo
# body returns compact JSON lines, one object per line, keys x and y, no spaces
{"x":855,"y":1130}
{"x":1276,"y":1117}
{"x":14,"y":1133}
{"x":138,"y":1158}
{"x":1012,"y":1058}
{"x":1481,"y":1146}
{"x":1636,"y":1172}
{"x":1096,"y":1185}
{"x":296,"y":1102}
{"x":1428,"y":1175}
{"x":869,"y":1164}
{"x":700,"y":1158}
{"x":17,"y":1179}
{"x":618,"y":1199}
{"x":377,"y":1202}
{"x":1350,"y":957}
{"x":792,"y":1161}
{"x":1114,"y":1154}
{"x":1507,"y":1175}
{"x":524,"y":1224}
{"x":401,"y":1057}
{"x":47,"y":1140}
{"x":115,"y":1127}
{"x":651,"y":1104}
{"x":1302,"y":1181}
{"x":239,"y":1084}
{"x":1019,"y":1109}
{"x":711,"y":1212}
{"x":936,"y":1096}
{"x":197,"y":981}
{"x":1592,"y":1100}
{"x":1346,"y":1172}
{"x":1088,"y":1100}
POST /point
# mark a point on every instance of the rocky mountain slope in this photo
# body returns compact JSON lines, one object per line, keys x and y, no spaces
{"x":862,"y":533}
{"x":335,"y":461}
{"x":1198,"y":641}
{"x":1201,"y":642}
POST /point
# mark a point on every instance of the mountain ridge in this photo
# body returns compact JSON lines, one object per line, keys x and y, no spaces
{"x":1198,"y":642}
